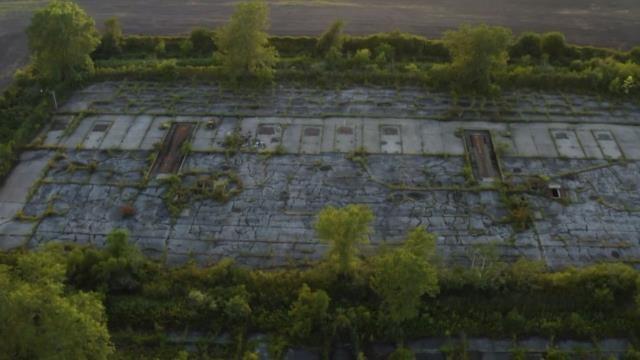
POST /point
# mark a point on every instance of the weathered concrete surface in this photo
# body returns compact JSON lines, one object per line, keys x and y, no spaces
{"x":271,"y":221}
{"x":587,"y":149}
{"x":14,"y":193}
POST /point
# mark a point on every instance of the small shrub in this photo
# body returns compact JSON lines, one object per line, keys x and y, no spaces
{"x":160,"y":48}
{"x":361,"y":58}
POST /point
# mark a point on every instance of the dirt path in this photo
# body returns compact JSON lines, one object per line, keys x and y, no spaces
{"x":614,"y":23}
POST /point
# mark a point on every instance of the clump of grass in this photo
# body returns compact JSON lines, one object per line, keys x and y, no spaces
{"x":220,"y":186}
{"x":233,"y":142}
{"x":359,"y":156}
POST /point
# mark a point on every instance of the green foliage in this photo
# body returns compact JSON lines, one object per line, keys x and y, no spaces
{"x":309,"y":314}
{"x":479,"y":53}
{"x":243,"y":44}
{"x":219,"y":186}
{"x":202,"y":43}
{"x":112,"y":38}
{"x":344,"y":228}
{"x":528,"y":44}
{"x":402,"y":276}
{"x":554,"y":45}
{"x":361,"y":58}
{"x":634,"y":54}
{"x":40,"y":320}
{"x":119,"y":267}
{"x":331,"y":39}
{"x":61,"y":38}
{"x":402,"y":353}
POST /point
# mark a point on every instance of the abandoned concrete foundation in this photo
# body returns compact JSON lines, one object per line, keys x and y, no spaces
{"x":416,"y":159}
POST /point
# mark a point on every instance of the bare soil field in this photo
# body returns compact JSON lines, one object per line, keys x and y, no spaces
{"x":614,"y":23}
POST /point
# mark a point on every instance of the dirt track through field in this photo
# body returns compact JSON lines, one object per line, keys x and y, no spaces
{"x":614,"y":23}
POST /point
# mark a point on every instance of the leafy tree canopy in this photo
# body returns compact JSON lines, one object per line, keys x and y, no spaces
{"x":51,"y":323}
{"x":478,"y":53}
{"x":61,"y":38}
{"x":243,"y":43}
{"x":344,"y":228}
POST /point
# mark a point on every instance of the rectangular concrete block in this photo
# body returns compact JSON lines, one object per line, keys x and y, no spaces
{"x":607,"y":144}
{"x":136,"y":132}
{"x":567,"y":143}
{"x":156,"y":132}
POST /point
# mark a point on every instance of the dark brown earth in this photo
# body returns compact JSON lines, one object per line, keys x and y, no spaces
{"x":612,"y":23}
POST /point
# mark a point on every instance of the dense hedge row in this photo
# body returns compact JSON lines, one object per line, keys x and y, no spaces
{"x":406,"y":47}
{"x":25,"y":107}
{"x":489,"y":300}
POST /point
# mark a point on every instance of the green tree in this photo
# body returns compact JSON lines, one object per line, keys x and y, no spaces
{"x":528,"y":44}
{"x":243,"y":46}
{"x":61,"y":38}
{"x":331,"y":39}
{"x":554,"y":45}
{"x":117,"y":267}
{"x":112,"y":38}
{"x":344,"y":229}
{"x":402,"y":276}
{"x":40,"y":320}
{"x":202,"y":41}
{"x":478,"y":53}
{"x":308,"y":314}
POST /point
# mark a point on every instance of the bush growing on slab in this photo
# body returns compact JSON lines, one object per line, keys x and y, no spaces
{"x":61,"y":38}
{"x":478,"y":53}
{"x":344,"y":228}
{"x":243,"y":44}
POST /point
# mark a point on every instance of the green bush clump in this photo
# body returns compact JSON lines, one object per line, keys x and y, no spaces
{"x":554,"y":45}
{"x":201,"y":41}
{"x":528,"y":44}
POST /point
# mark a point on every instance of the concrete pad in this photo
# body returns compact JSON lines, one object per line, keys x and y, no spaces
{"x":155,"y":133}
{"x":57,"y":129}
{"x":627,"y":139}
{"x":391,"y":139}
{"x":77,"y":137}
{"x":117,"y":132}
{"x":589,"y":144}
{"x":96,"y":135}
{"x":346,"y":137}
{"x":411,"y":137}
{"x":205,"y":136}
{"x":136,"y":132}
{"x":311,"y":139}
{"x":371,"y":135}
{"x":567,"y":143}
{"x":15,"y":189}
{"x":607,"y":144}
{"x":268,"y":136}
{"x":525,"y":146}
{"x":544,"y":145}
{"x":14,"y":234}
{"x":452,"y":145}
{"x":431,"y":132}
{"x":227,"y":127}
{"x":291,"y":137}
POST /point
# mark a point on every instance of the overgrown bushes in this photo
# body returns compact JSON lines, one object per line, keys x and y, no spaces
{"x":317,"y":306}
